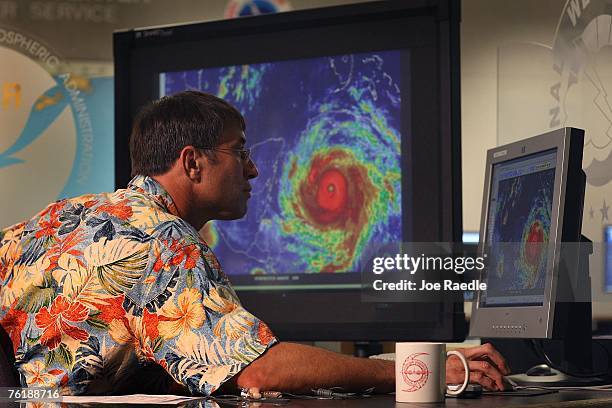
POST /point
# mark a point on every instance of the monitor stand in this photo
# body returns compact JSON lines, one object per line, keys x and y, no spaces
{"x":572,"y":329}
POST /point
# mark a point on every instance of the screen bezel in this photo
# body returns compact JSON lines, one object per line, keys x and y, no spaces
{"x":526,"y":321}
{"x":439,"y":208}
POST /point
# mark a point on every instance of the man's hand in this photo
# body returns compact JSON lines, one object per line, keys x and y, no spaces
{"x":487,"y":367}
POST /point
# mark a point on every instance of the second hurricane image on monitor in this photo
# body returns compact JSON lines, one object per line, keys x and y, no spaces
{"x":520,"y":208}
{"x":325,"y":134}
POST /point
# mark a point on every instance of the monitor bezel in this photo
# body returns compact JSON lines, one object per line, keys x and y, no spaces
{"x":526,"y":321}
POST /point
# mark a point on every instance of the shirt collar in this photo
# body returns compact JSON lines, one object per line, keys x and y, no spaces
{"x":150,"y":187}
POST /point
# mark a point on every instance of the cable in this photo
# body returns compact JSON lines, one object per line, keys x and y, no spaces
{"x":538,"y":348}
{"x":238,"y":401}
{"x":605,"y":349}
{"x":568,"y":372}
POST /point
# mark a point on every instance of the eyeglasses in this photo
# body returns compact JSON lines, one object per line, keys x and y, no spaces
{"x":245,"y":154}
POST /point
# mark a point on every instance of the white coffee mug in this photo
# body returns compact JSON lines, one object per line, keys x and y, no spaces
{"x":420,"y":372}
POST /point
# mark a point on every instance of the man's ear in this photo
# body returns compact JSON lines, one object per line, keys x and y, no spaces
{"x":191,"y":162}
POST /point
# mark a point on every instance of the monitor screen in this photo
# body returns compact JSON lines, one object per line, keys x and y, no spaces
{"x":326,"y":135}
{"x":520,"y":208}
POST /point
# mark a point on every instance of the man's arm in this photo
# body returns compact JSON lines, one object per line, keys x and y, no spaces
{"x":289,"y":367}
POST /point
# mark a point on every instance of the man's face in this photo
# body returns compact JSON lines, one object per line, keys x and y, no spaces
{"x":225,"y":186}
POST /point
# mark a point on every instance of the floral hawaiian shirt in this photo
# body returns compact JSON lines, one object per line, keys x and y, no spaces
{"x":96,"y":289}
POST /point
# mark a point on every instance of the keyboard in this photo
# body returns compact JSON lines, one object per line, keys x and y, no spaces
{"x":384,"y":356}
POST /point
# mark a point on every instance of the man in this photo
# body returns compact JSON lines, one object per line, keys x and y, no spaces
{"x":97,"y":287}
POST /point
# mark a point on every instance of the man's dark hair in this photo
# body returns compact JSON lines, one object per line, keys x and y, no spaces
{"x":164,"y":127}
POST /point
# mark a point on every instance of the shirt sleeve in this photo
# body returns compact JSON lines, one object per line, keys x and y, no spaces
{"x":203,"y":335}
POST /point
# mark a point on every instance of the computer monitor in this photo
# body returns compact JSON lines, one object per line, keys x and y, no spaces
{"x":352,"y":115}
{"x":530,"y":229}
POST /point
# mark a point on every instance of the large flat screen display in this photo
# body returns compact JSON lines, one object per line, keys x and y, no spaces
{"x":352,"y":117}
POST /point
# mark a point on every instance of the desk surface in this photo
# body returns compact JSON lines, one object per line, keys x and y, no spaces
{"x":563,"y":399}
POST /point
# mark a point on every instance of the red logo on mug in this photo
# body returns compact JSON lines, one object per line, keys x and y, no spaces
{"x":415,"y":372}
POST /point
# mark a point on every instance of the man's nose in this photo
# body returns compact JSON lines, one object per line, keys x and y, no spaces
{"x":251,"y":169}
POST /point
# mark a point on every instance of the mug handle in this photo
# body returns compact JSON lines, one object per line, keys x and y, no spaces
{"x":467,"y":373}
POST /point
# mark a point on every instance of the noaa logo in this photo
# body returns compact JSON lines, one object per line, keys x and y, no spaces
{"x":47,"y":144}
{"x":582,"y":59}
{"x":242,"y":8}
{"x":38,"y":139}
{"x":415,"y":372}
